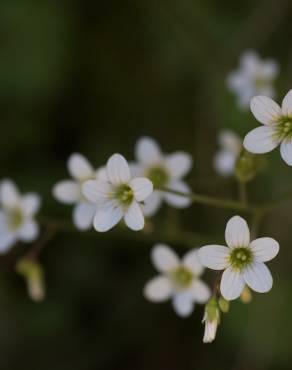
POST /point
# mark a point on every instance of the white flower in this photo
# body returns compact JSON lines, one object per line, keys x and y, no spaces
{"x":276,"y":129}
{"x":178,"y":280}
{"x":230,"y":148}
{"x":17,"y":213}
{"x":69,"y":191}
{"x":253,"y":77}
{"x":117,"y":195}
{"x":242,"y":260}
{"x":165,"y":171}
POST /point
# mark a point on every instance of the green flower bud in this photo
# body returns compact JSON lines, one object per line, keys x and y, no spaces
{"x":247,"y":166}
{"x":224,"y":305}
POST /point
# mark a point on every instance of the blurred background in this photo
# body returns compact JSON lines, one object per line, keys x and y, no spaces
{"x":93,"y":77}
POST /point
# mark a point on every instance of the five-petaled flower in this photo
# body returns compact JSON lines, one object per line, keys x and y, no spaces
{"x":165,"y":171}
{"x":117,"y":195}
{"x":178,"y":280}
{"x":17,"y":214}
{"x":242,"y":260}
{"x":254,"y":76}
{"x":276,"y":129}
{"x":69,"y":191}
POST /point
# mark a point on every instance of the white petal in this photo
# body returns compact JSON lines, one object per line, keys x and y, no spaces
{"x":264,"y":249}
{"x":107,"y":217}
{"x":101,"y":174}
{"x":147,"y":151}
{"x":118,"y":170}
{"x":136,"y":169}
{"x":97,"y":191}
{"x":83,"y":215}
{"x":29,"y":231}
{"x":67,"y":192}
{"x":237,"y":232}
{"x":192,"y":262}
{"x":142,"y":188}
{"x":178,"y":201}
{"x":134,"y":217}
{"x":258,"y":277}
{"x":265,"y":109}
{"x":164,"y":258}
{"x":261,"y":140}
{"x":79,"y":167}
{"x":214,"y":256}
{"x":178,"y":164}
{"x":7,"y":240}
{"x":31,"y":203}
{"x":200,"y":291}
{"x":232,"y":284}
{"x":249,"y":61}
{"x":224,"y":162}
{"x":230,"y":141}
{"x":9,"y":194}
{"x":158,"y":289}
{"x":183,"y":304}
{"x":287,"y":104}
{"x":152,"y":204}
{"x":286,"y":151}
{"x":269,"y":69}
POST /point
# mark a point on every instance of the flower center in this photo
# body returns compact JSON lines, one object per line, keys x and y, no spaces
{"x":15,"y":218}
{"x":261,"y":82}
{"x":240,"y":258}
{"x":158,"y":176}
{"x":284,"y":128}
{"x":124,"y":194}
{"x":182,"y":277}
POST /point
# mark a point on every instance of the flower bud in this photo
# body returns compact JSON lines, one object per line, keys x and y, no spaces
{"x":246,"y":295}
{"x":224,"y":305}
{"x":211,"y":319}
{"x":247,"y":166}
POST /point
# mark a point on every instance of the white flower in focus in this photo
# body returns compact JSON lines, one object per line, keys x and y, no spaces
{"x":242,"y":260}
{"x":276,"y":129}
{"x":230,"y":148}
{"x":117,"y":195}
{"x":165,"y":171}
{"x":69,"y":191}
{"x":17,"y":214}
{"x":179,"y":280}
{"x":211,"y":319}
{"x":253,"y":77}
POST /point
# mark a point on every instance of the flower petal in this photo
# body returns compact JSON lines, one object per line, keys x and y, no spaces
{"x":214,"y":256}
{"x":118,"y":170}
{"x":79,"y":167}
{"x":30,"y":204}
{"x":142,"y":188}
{"x":134,"y":217}
{"x":158,"y":289}
{"x":28,"y":232}
{"x":224,"y":162}
{"x":178,"y":164}
{"x":232,"y":284}
{"x":192,"y":262}
{"x":200,"y":291}
{"x":107,"y":216}
{"x":237,"y":233}
{"x":258,"y":277}
{"x":67,"y":192}
{"x":230,"y":141}
{"x":265,"y":109}
{"x":101,"y":174}
{"x":287,"y":104}
{"x":164,"y":258}
{"x":83,"y":215}
{"x":183,"y":304}
{"x":7,"y":240}
{"x":261,"y":140}
{"x":97,"y":191}
{"x":9,"y":194}
{"x":178,"y":201}
{"x":264,"y":249}
{"x":152,"y":203}
{"x":286,"y":151}
{"x":147,"y":151}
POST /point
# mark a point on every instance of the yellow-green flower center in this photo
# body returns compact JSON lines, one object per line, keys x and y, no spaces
{"x":182,"y":277}
{"x":158,"y":176}
{"x":124,"y":194}
{"x":240,"y":258}
{"x":284,"y":128}
{"x":15,"y":218}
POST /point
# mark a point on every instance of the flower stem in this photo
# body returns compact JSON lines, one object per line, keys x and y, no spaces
{"x":242,"y":192}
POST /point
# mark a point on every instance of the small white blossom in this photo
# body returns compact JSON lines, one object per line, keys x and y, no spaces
{"x":276,"y":129}
{"x":165,"y":171}
{"x":242,"y":260}
{"x":69,"y":191}
{"x":179,"y":280}
{"x":230,"y":148}
{"x":17,"y":216}
{"x":117,"y":195}
{"x":253,"y":77}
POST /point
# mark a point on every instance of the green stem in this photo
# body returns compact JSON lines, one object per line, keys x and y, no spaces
{"x":242,"y":192}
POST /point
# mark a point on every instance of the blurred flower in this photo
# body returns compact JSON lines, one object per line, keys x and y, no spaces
{"x":17,"y":213}
{"x":276,"y":129}
{"x":69,"y":191}
{"x":211,"y":319}
{"x":165,"y":171}
{"x":178,"y":280}
{"x":242,"y":260}
{"x":118,"y":195}
{"x":230,"y":148}
{"x":254,"y":76}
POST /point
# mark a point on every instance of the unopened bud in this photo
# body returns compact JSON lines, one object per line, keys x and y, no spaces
{"x":211,"y":319}
{"x":246,"y":295}
{"x":224,"y":305}
{"x":247,"y":166}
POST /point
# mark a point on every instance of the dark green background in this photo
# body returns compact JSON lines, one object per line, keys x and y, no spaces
{"x":93,"y":77}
